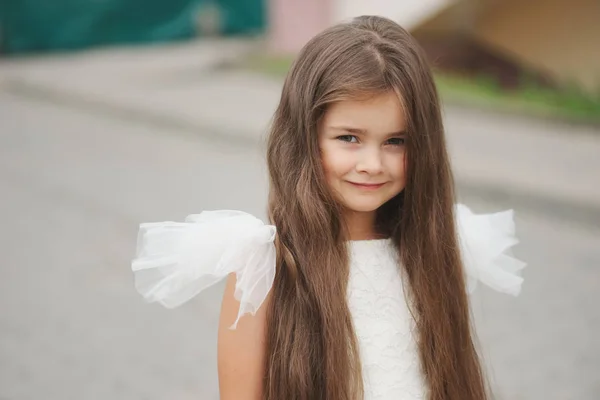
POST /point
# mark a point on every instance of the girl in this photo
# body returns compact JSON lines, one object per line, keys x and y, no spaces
{"x":357,"y":288}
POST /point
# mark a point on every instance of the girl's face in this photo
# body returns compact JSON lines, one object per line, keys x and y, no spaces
{"x":363,"y":151}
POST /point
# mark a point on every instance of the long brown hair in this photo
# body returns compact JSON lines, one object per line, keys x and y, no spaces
{"x":312,"y":350}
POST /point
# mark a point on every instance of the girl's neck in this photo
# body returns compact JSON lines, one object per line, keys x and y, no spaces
{"x":361,"y":225}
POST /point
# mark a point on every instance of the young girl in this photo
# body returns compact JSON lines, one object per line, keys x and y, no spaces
{"x":358,"y":288}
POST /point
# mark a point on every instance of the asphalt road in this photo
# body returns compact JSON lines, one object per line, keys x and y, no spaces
{"x":74,"y":186}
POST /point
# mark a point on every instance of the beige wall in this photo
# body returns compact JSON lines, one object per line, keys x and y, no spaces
{"x":293,"y":22}
{"x":408,"y":13}
{"x":561,"y":37}
{"x":459,"y":17}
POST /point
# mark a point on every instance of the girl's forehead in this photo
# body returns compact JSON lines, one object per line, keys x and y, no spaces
{"x":377,"y":113}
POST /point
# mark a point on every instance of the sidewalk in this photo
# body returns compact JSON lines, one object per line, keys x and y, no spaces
{"x":542,"y":164}
{"x":176,"y":85}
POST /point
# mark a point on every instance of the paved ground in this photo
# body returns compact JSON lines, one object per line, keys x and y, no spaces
{"x":75,"y":185}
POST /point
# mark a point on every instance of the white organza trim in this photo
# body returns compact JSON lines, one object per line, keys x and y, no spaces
{"x":485,"y":241}
{"x":177,"y":260}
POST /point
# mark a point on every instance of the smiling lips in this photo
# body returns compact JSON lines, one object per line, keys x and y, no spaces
{"x":367,"y":186}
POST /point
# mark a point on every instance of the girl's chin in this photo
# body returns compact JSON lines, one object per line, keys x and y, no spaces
{"x":362,"y":207}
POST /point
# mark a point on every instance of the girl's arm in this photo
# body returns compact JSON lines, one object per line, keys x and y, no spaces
{"x":241,"y":352}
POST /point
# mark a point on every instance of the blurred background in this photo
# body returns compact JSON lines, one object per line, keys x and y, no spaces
{"x":116,"y":112}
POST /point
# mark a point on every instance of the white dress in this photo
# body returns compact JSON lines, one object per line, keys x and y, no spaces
{"x":177,"y":260}
{"x":383,"y":323}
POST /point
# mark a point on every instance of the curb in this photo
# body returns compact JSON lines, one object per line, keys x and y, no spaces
{"x":584,"y":213}
{"x":122,"y":112}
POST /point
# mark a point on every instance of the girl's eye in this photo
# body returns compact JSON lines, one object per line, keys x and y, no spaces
{"x":396,"y":141}
{"x":348,"y":138}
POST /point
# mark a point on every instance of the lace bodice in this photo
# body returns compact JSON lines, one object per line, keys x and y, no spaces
{"x":383,"y":323}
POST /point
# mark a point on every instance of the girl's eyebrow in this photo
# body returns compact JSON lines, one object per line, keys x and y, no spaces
{"x":364,"y":131}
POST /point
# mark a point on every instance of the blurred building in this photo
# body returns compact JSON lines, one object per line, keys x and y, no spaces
{"x":551,"y":42}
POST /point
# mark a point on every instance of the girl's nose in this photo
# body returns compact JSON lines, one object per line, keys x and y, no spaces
{"x":369,"y":161}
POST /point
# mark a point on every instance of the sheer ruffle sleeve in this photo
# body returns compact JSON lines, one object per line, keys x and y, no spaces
{"x":177,"y":260}
{"x":485,"y":241}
